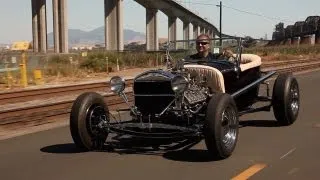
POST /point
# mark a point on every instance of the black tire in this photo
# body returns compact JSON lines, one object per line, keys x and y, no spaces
{"x":215,"y":126}
{"x":286,"y":99}
{"x":85,"y":136}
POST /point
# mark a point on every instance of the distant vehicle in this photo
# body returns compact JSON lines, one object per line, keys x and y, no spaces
{"x":188,"y":99}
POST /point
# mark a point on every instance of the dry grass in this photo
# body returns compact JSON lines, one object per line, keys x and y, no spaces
{"x":286,"y":49}
{"x":278,"y":53}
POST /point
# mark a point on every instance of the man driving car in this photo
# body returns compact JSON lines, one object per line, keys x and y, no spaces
{"x":203,"y":45}
{"x":203,"y":49}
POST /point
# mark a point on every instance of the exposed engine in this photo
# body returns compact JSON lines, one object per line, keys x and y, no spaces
{"x":161,"y":93}
{"x":193,"y":99}
{"x":196,"y":92}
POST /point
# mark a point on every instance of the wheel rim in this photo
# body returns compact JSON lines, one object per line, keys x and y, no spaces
{"x":95,"y":119}
{"x":229,"y":128}
{"x":294,"y":98}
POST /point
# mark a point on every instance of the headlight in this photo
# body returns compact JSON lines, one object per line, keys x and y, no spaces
{"x":117,"y":84}
{"x":179,"y":84}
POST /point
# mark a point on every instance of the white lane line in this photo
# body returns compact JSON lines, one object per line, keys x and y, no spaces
{"x":285,"y":155}
{"x":292,"y":171}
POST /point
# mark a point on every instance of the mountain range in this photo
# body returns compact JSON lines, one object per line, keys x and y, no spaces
{"x":96,"y":36}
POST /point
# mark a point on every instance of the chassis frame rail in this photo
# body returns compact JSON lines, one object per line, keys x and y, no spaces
{"x":145,"y":130}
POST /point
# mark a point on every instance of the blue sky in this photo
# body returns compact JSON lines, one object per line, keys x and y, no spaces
{"x":16,"y":21}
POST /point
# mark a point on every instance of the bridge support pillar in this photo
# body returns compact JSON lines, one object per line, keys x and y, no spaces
{"x":195,"y":31}
{"x":186,"y":34}
{"x":313,"y":39}
{"x":308,"y":39}
{"x":60,"y":26}
{"x":172,"y":30}
{"x":152,"y":41}
{"x":288,"y":41}
{"x":296,"y":40}
{"x":202,"y":30}
{"x":39,"y":26}
{"x":207,"y":32}
{"x":317,"y":38}
{"x":211,"y":34}
{"x":113,"y":24}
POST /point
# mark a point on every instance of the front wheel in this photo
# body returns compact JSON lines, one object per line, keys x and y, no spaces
{"x":88,"y":116}
{"x":221,"y":126}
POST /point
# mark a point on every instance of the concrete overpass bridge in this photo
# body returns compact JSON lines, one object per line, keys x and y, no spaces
{"x":114,"y":24}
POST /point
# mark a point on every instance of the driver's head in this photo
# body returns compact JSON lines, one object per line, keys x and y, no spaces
{"x":203,"y":44}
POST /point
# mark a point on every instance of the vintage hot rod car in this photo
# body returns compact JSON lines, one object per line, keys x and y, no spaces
{"x":188,"y":99}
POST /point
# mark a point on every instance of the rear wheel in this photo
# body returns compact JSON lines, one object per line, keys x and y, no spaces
{"x":221,"y":127}
{"x":286,"y":99}
{"x":89,"y":115}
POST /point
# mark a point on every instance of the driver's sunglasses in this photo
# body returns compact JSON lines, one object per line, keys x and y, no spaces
{"x":202,"y":43}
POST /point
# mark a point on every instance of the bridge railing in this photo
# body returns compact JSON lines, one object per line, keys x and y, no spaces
{"x":189,"y":46}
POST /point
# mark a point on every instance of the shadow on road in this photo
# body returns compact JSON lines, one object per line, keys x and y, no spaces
{"x":259,"y":123}
{"x":177,"y":150}
{"x":132,"y":145}
{"x":168,"y":149}
{"x":184,"y":154}
{"x":190,"y":155}
{"x":61,"y":149}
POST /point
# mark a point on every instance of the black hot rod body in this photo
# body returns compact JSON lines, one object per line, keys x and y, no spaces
{"x":188,"y":99}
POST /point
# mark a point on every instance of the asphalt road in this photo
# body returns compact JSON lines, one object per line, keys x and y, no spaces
{"x":284,"y":152}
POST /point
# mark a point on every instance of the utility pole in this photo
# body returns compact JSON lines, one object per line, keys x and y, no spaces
{"x":220,"y":22}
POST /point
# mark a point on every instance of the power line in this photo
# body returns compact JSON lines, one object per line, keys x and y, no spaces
{"x":256,"y":14}
{"x":243,"y":11}
{"x":200,"y":3}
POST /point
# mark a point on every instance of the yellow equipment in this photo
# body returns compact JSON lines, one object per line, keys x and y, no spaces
{"x":20,"y":45}
{"x":23,"y":71}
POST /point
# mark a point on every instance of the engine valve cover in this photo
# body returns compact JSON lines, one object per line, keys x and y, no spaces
{"x":194,"y":97}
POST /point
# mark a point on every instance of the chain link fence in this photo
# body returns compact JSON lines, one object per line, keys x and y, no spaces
{"x":19,"y":66}
{"x":38,"y":68}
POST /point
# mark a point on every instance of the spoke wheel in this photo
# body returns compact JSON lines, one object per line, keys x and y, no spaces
{"x":88,"y":120}
{"x":221,"y":126}
{"x":95,"y":120}
{"x":294,"y":98}
{"x":230,"y":127}
{"x":286,"y":99}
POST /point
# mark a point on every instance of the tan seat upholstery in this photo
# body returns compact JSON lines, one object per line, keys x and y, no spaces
{"x":249,"y":61}
{"x":215,"y":80}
